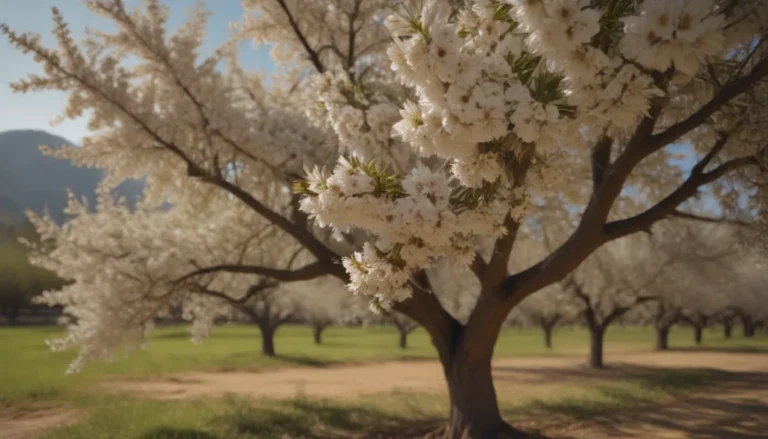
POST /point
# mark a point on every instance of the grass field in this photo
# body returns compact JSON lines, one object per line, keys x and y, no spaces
{"x":32,"y":377}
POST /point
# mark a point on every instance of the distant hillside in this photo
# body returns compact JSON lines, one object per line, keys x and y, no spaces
{"x":29,"y":179}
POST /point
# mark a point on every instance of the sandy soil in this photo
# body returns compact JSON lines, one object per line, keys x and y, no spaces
{"x":414,"y":376}
{"x":18,"y":424}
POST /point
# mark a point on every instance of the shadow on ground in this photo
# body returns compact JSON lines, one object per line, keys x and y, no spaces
{"x":725,"y":405}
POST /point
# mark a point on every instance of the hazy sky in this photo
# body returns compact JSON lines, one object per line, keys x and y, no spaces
{"x":36,"y":110}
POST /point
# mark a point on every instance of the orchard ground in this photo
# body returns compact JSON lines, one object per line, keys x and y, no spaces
{"x":359,"y":384}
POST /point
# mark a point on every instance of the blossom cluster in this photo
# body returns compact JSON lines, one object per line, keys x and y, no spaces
{"x":414,"y":218}
{"x":472,"y":81}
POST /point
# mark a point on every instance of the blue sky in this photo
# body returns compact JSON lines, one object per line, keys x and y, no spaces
{"x":36,"y":110}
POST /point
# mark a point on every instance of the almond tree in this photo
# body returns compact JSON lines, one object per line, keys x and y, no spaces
{"x":611,"y":282}
{"x":404,"y":325}
{"x":546,"y":310}
{"x":324,"y":302}
{"x":472,"y":110}
{"x":693,"y":290}
{"x":125,"y":268}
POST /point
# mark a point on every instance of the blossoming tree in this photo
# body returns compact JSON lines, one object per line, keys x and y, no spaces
{"x":324,"y":302}
{"x":453,"y":117}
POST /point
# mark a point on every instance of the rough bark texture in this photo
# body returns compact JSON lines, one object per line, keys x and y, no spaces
{"x":596,"y":346}
{"x":697,"y":334}
{"x":474,"y":407}
{"x":662,"y":338}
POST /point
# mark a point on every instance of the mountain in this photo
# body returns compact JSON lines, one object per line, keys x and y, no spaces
{"x":31,"y":180}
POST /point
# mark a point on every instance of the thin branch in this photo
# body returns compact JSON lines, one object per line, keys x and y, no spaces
{"x":707,"y":219}
{"x":307,"y":272}
{"x":311,"y":53}
{"x":668,"y":205}
{"x":731,"y":90}
{"x":701,"y":166}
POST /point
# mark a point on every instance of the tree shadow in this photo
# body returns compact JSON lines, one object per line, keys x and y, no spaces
{"x":319,"y":419}
{"x":735,"y":349}
{"x":306,"y":360}
{"x":732,"y":405}
{"x":178,"y":433}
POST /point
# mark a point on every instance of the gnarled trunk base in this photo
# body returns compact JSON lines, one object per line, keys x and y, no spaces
{"x":474,"y":408}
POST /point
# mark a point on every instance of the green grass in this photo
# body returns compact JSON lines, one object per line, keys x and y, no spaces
{"x":31,"y":375}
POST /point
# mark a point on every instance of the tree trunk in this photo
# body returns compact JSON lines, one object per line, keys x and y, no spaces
{"x":697,"y":334}
{"x":474,"y":407}
{"x":267,"y":341}
{"x":596,"y":333}
{"x":662,"y":338}
{"x":12,"y":315}
{"x":727,"y":327}
{"x":547,"y":336}
{"x":748,"y":325}
{"x":403,"y":339}
{"x":317,"y":333}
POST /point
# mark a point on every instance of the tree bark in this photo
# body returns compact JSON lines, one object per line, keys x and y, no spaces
{"x":727,"y":327}
{"x":474,"y":407}
{"x":748,"y":326}
{"x":596,"y":333}
{"x":317,"y":333}
{"x":548,"y":336}
{"x":267,"y":341}
{"x":662,"y":338}
{"x":697,"y":334}
{"x":403,"y":339}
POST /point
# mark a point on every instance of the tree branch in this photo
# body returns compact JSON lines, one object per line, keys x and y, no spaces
{"x":307,"y":272}
{"x":707,"y":219}
{"x":303,"y":236}
{"x":668,"y":205}
{"x":729,"y":91}
{"x":311,"y":53}
{"x":618,"y":312}
{"x":601,"y":159}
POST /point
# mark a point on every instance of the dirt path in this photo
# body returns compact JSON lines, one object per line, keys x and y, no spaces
{"x":414,"y":376}
{"x":17,"y":424}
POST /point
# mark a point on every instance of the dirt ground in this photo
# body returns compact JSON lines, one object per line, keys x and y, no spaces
{"x":736,"y":408}
{"x":17,"y":424}
{"x":414,"y":376}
